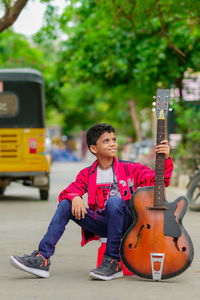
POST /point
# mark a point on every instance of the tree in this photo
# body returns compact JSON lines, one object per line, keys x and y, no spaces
{"x":12,"y":10}
{"x":90,"y":57}
{"x":174,"y":25}
{"x":124,"y":50}
{"x":112,"y":52}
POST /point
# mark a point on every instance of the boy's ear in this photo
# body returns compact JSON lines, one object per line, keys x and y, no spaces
{"x":93,"y":149}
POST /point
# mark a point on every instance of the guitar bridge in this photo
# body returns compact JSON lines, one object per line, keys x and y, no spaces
{"x":157,"y":261}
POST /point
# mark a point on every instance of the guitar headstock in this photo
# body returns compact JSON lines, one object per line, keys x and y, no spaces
{"x":162,"y":103}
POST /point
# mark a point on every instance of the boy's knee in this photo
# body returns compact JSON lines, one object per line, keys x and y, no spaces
{"x":115,"y":203}
{"x":65,"y":205}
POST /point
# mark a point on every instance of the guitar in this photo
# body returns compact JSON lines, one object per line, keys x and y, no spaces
{"x":157,"y":246}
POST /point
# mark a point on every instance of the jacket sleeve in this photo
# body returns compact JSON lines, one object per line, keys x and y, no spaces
{"x":76,"y":188}
{"x":144,"y":176}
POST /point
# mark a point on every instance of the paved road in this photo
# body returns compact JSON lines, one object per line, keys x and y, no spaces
{"x":23,"y":221}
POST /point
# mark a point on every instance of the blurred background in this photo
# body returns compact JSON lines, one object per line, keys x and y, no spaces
{"x":102,"y":61}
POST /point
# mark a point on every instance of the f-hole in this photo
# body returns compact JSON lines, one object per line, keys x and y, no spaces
{"x":175,"y":240}
{"x":139,"y":235}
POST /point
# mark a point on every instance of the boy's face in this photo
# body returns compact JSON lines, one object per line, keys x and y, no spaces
{"x":106,"y":146}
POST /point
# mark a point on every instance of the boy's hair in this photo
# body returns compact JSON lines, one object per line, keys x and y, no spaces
{"x":94,"y":133}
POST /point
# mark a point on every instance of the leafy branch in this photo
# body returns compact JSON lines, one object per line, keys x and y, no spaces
{"x":165,"y":34}
{"x":12,"y":11}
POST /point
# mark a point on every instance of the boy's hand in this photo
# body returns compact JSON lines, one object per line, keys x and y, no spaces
{"x":78,"y":208}
{"x":163,"y":148}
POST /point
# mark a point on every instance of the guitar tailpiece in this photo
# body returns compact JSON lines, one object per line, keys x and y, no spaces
{"x":157,"y":261}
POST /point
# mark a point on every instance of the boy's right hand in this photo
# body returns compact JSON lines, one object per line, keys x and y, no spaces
{"x":78,"y":208}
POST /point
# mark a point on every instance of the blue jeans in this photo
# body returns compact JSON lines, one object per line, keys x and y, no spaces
{"x":111,"y":223}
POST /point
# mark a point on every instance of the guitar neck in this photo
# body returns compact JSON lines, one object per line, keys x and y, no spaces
{"x":159,"y":197}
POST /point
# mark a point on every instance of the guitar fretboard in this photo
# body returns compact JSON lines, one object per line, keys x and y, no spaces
{"x":159,"y":167}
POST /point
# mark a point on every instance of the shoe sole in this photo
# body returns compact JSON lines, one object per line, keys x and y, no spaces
{"x":40,"y":273}
{"x":101,"y":277}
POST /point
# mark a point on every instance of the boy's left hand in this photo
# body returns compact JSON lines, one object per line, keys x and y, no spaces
{"x":163,"y":148}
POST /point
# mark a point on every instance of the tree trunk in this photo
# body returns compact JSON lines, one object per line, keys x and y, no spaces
{"x":11,"y":13}
{"x":135,"y":119}
{"x":179,"y":85}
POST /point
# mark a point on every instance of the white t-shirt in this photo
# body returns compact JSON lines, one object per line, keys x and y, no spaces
{"x":106,"y":186}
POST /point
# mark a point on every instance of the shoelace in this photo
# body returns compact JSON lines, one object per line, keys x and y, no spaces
{"x":35,"y":253}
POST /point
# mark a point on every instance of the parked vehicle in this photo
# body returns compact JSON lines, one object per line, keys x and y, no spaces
{"x":193,"y":189}
{"x":22,"y":130}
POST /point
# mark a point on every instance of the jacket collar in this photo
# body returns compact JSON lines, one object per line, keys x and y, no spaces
{"x":93,"y":167}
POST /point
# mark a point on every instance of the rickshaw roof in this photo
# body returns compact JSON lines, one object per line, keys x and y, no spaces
{"x":21,"y":74}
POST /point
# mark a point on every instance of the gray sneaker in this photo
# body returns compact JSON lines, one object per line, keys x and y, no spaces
{"x":109,"y":269}
{"x":35,"y":264}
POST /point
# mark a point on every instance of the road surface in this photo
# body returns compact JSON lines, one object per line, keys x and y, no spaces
{"x":24,"y":220}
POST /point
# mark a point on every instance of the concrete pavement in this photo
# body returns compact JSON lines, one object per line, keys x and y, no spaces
{"x":24,"y":220}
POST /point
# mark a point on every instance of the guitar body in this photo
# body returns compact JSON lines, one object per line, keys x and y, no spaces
{"x":156,"y":245}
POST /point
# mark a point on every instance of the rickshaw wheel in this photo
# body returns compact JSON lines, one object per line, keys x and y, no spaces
{"x":2,"y":190}
{"x":44,"y":194}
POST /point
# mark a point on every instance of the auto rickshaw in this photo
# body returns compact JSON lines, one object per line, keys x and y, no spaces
{"x":22,"y":130}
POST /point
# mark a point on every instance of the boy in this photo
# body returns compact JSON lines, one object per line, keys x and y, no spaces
{"x":109,"y":184}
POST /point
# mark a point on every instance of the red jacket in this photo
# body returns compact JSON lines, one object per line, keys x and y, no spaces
{"x":130,"y":176}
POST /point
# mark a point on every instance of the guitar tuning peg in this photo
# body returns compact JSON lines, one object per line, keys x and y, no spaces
{"x":154,"y":97}
{"x":153,"y":109}
{"x":170,"y":109}
{"x":171,"y":102}
{"x":154,"y":103}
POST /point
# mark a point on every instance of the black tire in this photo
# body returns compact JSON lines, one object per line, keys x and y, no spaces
{"x":193,"y":194}
{"x":2,"y":190}
{"x":44,"y":195}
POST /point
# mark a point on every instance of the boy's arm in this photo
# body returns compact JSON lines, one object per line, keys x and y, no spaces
{"x":144,"y":176}
{"x":168,"y":170}
{"x":76,"y":188}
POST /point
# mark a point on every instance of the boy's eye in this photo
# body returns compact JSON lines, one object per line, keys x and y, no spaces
{"x":107,"y":140}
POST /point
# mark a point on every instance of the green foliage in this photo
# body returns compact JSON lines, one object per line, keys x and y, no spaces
{"x":188,"y":125}
{"x":49,"y":32}
{"x":16,"y":51}
{"x":54,"y":118}
{"x":119,"y":50}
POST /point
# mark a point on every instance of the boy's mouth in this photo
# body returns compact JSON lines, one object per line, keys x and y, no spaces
{"x":113,"y":149}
